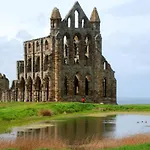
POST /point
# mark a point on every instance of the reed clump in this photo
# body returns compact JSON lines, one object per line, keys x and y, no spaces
{"x":45,"y":112}
{"x":87,"y":144}
{"x":32,"y":144}
{"x":114,"y":143}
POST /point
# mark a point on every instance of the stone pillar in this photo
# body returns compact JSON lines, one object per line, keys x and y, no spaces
{"x":71,"y":88}
{"x":19,"y":95}
{"x":57,"y":67}
{"x":41,"y":59}
{"x":41,"y":91}
{"x":43,"y":94}
{"x":12,"y":95}
{"x":3,"y":96}
{"x":82,"y":87}
{"x":33,"y":92}
{"x":50,"y":90}
{"x":33,"y":61}
{"x":26,"y":93}
{"x":25,"y":64}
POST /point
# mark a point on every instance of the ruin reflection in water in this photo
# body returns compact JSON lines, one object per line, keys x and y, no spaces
{"x":74,"y":129}
{"x":79,"y":128}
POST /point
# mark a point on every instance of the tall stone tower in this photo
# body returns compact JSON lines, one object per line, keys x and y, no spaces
{"x":79,"y":66}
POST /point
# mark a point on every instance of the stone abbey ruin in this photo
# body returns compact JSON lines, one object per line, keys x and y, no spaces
{"x":65,"y":65}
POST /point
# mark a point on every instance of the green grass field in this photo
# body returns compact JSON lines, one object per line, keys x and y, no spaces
{"x":16,"y":113}
{"x":145,"y":146}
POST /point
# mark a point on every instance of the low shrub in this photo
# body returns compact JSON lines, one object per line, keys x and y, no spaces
{"x":45,"y":112}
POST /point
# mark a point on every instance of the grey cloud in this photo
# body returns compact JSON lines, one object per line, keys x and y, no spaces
{"x":23,"y":35}
{"x":42,"y":19}
{"x":133,"y":86}
{"x":131,"y":63}
{"x":8,"y":56}
{"x":11,"y":50}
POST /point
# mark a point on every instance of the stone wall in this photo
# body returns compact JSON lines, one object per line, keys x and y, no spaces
{"x":4,"y":86}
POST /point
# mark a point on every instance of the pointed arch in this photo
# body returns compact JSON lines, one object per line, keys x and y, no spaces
{"x":66,"y":46}
{"x":47,"y":88}
{"x":69,"y":22}
{"x":87,"y":80}
{"x":76,"y":47}
{"x":65,"y":42}
{"x":83,"y":23}
{"x":29,"y":65}
{"x":29,"y":45}
{"x":76,"y":13}
{"x":38,"y":88}
{"x":77,"y":37}
{"x":98,"y":44}
{"x":105,"y":65}
{"x":37,"y":46}
{"x":22,"y":88}
{"x":46,"y":45}
{"x":37,"y":64}
{"x":30,"y":88}
{"x":76,"y":86}
{"x":87,"y":49}
{"x":66,"y":85}
{"x":77,"y":79}
{"x":46,"y":63}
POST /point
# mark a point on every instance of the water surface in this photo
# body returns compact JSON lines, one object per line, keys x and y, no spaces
{"x":79,"y":128}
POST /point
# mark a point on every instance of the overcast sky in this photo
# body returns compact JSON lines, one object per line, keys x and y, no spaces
{"x":125,"y":28}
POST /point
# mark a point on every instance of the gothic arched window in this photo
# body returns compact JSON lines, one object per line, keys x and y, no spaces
{"x":76,"y":48}
{"x":37,"y":46}
{"x":37,"y":64}
{"x":83,"y":23}
{"x":69,"y":22}
{"x":46,"y":45}
{"x":66,"y":48}
{"x":76,"y":19}
{"x":46,"y":63}
{"x":29,"y":64}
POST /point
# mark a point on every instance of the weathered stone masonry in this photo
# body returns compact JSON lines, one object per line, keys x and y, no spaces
{"x":67,"y":64}
{"x":4,"y":87}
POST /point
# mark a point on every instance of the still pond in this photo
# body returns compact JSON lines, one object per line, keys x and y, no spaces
{"x":79,"y":128}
